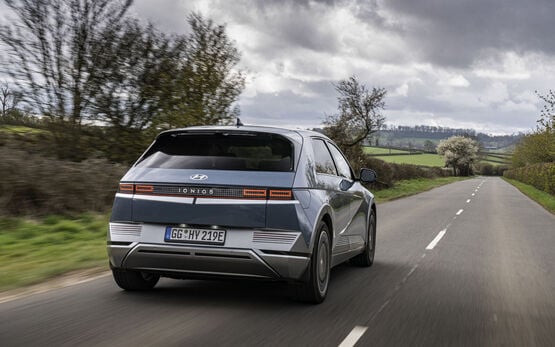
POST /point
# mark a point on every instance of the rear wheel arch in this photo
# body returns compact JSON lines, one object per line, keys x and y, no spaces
{"x":326,"y":218}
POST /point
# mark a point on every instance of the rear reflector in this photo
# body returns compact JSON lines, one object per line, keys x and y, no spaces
{"x":281,"y":194}
{"x":144,"y":189}
{"x":254,"y":193}
{"x":126,"y":188}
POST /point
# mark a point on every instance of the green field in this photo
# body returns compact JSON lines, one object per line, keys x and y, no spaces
{"x":425,"y":159}
{"x":20,"y":130}
{"x":31,"y":251}
{"x":495,"y":160}
{"x":381,"y":150}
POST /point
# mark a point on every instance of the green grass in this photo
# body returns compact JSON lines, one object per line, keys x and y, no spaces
{"x":496,"y":160}
{"x":381,"y":150}
{"x":413,"y":186}
{"x":543,"y":198}
{"x":32,"y":251}
{"x":509,"y":149}
{"x":418,"y":159}
{"x":433,"y":160}
{"x":20,"y":130}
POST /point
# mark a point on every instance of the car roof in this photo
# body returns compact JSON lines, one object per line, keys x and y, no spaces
{"x":254,"y":128}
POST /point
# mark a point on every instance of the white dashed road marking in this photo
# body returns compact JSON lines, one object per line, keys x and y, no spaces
{"x":436,"y":240}
{"x":358,"y":331}
{"x":353,"y":336}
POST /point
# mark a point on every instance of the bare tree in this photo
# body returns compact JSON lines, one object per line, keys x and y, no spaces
{"x":8,"y":98}
{"x":359,"y":113}
{"x":547,"y":114}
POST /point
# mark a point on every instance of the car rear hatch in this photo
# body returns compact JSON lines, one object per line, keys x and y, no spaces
{"x":221,"y":178}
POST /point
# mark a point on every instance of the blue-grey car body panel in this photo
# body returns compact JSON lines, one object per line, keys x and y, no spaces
{"x":265,"y":238}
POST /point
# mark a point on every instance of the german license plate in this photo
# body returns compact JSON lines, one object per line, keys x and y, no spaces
{"x":194,"y":235}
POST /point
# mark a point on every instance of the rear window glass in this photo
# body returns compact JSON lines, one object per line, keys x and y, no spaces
{"x":220,"y":151}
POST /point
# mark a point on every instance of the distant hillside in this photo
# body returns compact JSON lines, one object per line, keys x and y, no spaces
{"x":423,"y":137}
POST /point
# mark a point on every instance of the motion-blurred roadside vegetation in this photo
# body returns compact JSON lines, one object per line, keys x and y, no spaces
{"x":103,"y":83}
{"x":89,"y":88}
{"x":32,"y":250}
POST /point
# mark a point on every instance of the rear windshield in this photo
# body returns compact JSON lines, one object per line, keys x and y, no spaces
{"x":220,"y":151}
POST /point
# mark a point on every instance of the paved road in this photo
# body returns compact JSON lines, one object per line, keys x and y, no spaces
{"x":458,"y":265}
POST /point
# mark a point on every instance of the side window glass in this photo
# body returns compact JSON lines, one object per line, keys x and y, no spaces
{"x":340,"y":162}
{"x":324,"y":162}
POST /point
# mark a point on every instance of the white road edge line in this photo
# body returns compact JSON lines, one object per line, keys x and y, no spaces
{"x":436,"y":240}
{"x":459,"y":212}
{"x":467,"y":201}
{"x":48,"y":287}
{"x":353,"y":336}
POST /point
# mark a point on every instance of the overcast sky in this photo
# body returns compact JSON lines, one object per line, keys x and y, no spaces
{"x":471,"y":63}
{"x":456,"y":63}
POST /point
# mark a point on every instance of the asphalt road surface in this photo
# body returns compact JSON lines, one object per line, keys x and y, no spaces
{"x":471,"y":263}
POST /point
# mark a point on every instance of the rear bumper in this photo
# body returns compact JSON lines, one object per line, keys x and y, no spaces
{"x":207,"y":261}
{"x":254,"y":253}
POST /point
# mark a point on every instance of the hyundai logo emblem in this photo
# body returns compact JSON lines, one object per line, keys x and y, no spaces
{"x":199,"y":177}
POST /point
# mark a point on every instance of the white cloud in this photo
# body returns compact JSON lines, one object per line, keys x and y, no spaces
{"x":455,"y":81}
{"x":509,"y":66}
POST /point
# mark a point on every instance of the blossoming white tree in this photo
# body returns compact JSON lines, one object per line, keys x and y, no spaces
{"x":460,"y":153}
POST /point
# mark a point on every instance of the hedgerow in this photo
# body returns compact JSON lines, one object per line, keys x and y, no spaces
{"x":541,"y":176}
{"x":34,"y":184}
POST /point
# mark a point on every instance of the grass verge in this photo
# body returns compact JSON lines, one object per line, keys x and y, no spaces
{"x":543,"y":198}
{"x":413,"y":186}
{"x":32,"y":251}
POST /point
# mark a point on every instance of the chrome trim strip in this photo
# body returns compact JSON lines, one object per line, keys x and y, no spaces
{"x":283,"y":202}
{"x":177,"y":199}
{"x":124,"y":195}
{"x":215,"y":201}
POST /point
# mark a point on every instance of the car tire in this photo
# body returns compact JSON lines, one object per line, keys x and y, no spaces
{"x":366,"y":258}
{"x":134,"y":280}
{"x":315,"y":289}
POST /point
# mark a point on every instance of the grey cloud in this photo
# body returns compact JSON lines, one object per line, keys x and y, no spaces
{"x":168,"y":15}
{"x":288,"y":23}
{"x":288,"y":107}
{"x":456,"y":33}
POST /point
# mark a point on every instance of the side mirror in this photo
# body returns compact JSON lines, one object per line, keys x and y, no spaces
{"x":368,"y":176}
